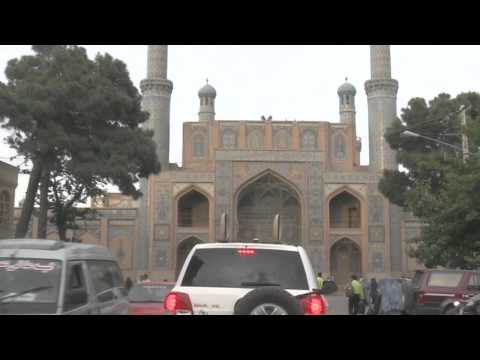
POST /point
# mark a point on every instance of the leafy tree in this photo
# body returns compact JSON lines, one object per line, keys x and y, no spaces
{"x":436,"y":185}
{"x":66,"y":192}
{"x":452,"y":237}
{"x":75,"y":118}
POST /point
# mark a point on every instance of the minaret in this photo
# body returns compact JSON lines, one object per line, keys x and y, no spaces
{"x":382,"y":107}
{"x":157,"y":90}
{"x":207,"y":95}
{"x":346,"y":94}
{"x":382,"y":111}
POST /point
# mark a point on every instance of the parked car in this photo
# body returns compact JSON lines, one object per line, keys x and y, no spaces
{"x":55,"y":277}
{"x":430,"y":290}
{"x":247,"y":279}
{"x":147,"y":298}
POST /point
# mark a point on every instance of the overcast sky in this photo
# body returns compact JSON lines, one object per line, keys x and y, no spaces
{"x":287,"y":82}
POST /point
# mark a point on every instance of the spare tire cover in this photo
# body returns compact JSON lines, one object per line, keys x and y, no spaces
{"x":268,"y":295}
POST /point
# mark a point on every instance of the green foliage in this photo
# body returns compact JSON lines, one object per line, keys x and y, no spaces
{"x":441,"y":190}
{"x":452,"y":238}
{"x":79,"y":117}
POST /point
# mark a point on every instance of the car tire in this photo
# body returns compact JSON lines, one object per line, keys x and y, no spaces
{"x":451,"y":310}
{"x":255,"y":299}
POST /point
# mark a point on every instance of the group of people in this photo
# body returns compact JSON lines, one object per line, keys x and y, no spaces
{"x":361,"y":294}
{"x":386,"y":297}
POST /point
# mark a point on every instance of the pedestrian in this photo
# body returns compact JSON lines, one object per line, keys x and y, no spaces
{"x":320,"y":280}
{"x":128,"y":284}
{"x":391,"y":295}
{"x":356,"y":295}
{"x":374,"y":296}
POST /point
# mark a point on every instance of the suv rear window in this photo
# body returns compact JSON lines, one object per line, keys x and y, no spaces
{"x":444,"y":278}
{"x":226,"y":268}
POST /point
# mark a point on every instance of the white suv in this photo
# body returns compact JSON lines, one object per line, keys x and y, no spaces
{"x":246,"y":279}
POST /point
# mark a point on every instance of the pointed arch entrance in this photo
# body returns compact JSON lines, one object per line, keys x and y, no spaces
{"x":183,"y":249}
{"x":345,"y":260}
{"x":257,"y":204}
{"x":345,"y":211}
{"x":193,"y":210}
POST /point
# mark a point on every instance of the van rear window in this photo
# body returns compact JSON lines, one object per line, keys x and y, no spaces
{"x":245,"y":268}
{"x":444,"y":278}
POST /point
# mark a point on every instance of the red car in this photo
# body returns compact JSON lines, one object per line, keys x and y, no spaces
{"x":147,"y":298}
{"x":431,"y":288}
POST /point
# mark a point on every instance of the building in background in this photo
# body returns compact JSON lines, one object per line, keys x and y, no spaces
{"x":248,"y":171}
{"x":8,"y":184}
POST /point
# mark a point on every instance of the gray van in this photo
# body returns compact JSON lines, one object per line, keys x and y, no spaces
{"x":55,"y":277}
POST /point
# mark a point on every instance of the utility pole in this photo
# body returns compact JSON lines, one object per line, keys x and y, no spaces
{"x":464,"y":136}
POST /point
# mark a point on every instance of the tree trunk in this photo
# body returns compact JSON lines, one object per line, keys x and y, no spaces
{"x":27,"y":208}
{"x":62,"y":232}
{"x":43,"y":213}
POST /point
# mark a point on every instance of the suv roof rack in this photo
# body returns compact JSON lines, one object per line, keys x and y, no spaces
{"x":263,"y":242}
{"x":32,"y":244}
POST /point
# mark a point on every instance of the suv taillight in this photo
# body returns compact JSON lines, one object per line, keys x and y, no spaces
{"x":421,"y":298}
{"x":313,"y":304}
{"x":178,"y":303}
{"x":463,"y":296}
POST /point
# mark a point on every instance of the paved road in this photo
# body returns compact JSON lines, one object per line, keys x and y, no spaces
{"x":337,"y":305}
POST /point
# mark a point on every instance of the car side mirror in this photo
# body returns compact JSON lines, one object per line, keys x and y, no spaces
{"x":329,"y":287}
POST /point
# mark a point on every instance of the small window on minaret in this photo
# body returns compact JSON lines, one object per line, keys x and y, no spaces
{"x":348,"y":99}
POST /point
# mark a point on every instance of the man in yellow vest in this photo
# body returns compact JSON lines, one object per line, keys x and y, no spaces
{"x":320,"y":280}
{"x":356,"y":296}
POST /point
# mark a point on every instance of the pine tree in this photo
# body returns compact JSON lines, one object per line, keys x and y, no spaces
{"x":436,"y":185}
{"x":80,"y":119}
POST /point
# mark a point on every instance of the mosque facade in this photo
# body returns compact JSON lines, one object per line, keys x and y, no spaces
{"x":236,"y":176}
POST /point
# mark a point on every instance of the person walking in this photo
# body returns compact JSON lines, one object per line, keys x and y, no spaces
{"x":356,"y":296}
{"x":374,"y":296}
{"x":320,"y":280}
{"x":128,"y":284}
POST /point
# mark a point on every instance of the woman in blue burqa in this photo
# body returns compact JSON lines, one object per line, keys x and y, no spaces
{"x":392,"y":296}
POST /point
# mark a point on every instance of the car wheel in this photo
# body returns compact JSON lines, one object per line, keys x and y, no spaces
{"x":268,"y":301}
{"x":451,"y":310}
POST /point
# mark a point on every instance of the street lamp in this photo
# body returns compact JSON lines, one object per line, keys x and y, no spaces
{"x":414,"y":134}
{"x":464,"y":148}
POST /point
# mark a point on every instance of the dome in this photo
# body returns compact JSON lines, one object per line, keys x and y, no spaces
{"x":347,"y":88}
{"x":207,"y":91}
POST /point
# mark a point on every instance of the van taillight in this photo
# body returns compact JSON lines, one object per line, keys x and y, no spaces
{"x":313,"y":304}
{"x":178,"y":303}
